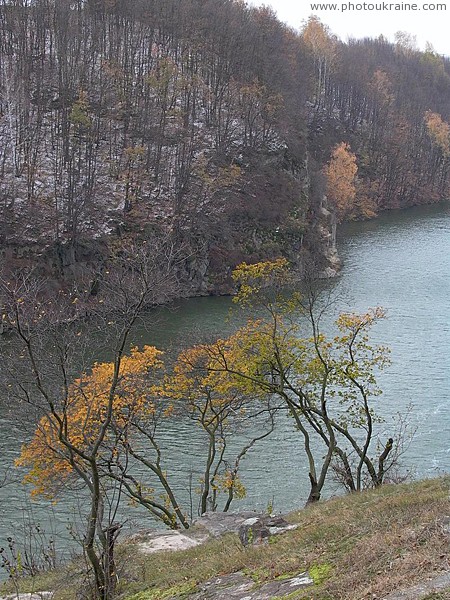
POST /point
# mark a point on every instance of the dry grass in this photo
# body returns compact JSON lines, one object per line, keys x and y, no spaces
{"x":368,"y":545}
{"x":395,"y":537}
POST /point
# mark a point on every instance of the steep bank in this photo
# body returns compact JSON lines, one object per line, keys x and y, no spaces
{"x":366,"y":545}
{"x":206,"y":123}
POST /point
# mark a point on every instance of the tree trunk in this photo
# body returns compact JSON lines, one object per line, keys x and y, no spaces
{"x":109,"y":563}
{"x":315,"y":492}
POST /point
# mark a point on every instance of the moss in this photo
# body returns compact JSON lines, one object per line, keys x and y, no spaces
{"x":320,"y":573}
{"x":177,"y":591}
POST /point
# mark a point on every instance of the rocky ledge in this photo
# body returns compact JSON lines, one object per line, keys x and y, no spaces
{"x":238,"y":586}
{"x":251,"y":527}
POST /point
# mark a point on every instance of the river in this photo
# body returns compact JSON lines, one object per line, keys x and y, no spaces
{"x":400,"y":261}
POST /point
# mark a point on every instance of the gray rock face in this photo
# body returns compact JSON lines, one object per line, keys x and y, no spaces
{"x":433,"y":585}
{"x":257,"y":530}
{"x":207,"y":526}
{"x":167,"y":541}
{"x":251,"y":527}
{"x":253,"y":532}
{"x":238,"y":586}
{"x":218,"y":523}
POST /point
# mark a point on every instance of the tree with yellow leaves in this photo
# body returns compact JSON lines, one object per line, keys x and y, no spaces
{"x":323,"y":46}
{"x":340,"y":178}
{"x":219,"y":409}
{"x":51,"y":460}
{"x":138,"y":409}
{"x":326,"y":384}
{"x":439,"y":131}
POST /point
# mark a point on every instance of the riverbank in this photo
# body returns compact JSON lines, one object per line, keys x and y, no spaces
{"x":400,"y":262}
{"x":366,"y":545}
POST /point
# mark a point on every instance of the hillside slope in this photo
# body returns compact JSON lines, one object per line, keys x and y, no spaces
{"x":366,"y":545}
{"x":206,"y":122}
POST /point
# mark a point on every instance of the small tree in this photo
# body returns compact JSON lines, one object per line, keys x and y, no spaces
{"x":219,"y":410}
{"x":325,"y":384}
{"x":340,"y":173}
{"x":74,"y":441}
{"x":188,"y":395}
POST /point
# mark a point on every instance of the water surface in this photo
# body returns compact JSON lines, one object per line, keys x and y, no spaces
{"x":400,"y":261}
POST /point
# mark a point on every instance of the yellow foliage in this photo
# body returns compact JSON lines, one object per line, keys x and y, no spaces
{"x":381,"y":86}
{"x":354,"y":322}
{"x":439,"y":131}
{"x":230,"y":480}
{"x":252,"y":279}
{"x":341,"y":174}
{"x":318,"y":37}
{"x":79,"y":421}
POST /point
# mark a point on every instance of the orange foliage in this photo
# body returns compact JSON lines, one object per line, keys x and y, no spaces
{"x":50,"y":461}
{"x":381,"y":87}
{"x":341,"y":174}
{"x":439,"y":131}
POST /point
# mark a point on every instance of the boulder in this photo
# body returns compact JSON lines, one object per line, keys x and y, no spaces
{"x":258,"y":530}
{"x":166,"y":541}
{"x":218,"y":523}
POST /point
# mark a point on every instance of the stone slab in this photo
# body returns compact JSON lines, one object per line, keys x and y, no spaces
{"x":167,"y":541}
{"x":238,"y":586}
{"x":441,"y":583}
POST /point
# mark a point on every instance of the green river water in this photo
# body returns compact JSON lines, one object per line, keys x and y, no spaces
{"x":400,"y":261}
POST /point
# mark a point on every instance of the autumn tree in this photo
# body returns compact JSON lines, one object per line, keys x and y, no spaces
{"x":439,"y":131}
{"x":220,"y":411}
{"x":326,"y":384}
{"x":323,"y":46}
{"x":341,"y":173}
{"x":137,"y":401}
{"x":75,"y":415}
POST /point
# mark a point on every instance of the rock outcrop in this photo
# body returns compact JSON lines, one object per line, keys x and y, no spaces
{"x":238,"y":586}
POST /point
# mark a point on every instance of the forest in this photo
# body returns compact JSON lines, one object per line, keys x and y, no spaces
{"x":209,"y":122}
